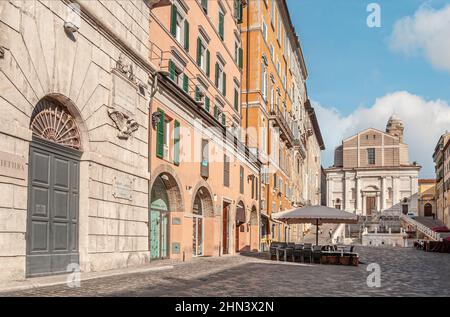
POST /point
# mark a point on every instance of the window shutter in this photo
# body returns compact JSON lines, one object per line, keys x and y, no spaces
{"x":223,"y":119}
{"x":236,"y":100}
{"x":160,"y":134}
{"x":241,"y":58}
{"x":217,"y":75}
{"x":226,"y":171}
{"x":238,"y":10}
{"x":199,"y":51}
{"x":208,"y":62}
{"x":186,"y":35}
{"x":172,"y":70}
{"x":185,"y":83}
{"x":205,"y":6}
{"x":207,"y":102}
{"x":173,"y":21}
{"x":221,"y":26}
{"x":224,"y":88}
{"x":176,"y":142}
{"x":216,"y":112}
{"x":197,"y":93}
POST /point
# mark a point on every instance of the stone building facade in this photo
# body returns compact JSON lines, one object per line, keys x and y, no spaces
{"x":441,"y":158}
{"x":75,"y":85}
{"x":427,"y":197}
{"x":372,"y":173}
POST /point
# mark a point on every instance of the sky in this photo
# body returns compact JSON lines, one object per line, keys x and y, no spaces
{"x":359,"y":75}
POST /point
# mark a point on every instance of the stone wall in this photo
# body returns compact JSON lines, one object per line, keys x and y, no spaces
{"x":101,"y":65}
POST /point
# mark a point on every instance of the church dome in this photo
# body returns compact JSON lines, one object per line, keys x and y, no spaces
{"x":395,"y":127}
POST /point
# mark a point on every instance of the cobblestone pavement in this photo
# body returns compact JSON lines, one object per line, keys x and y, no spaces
{"x":404,"y":272}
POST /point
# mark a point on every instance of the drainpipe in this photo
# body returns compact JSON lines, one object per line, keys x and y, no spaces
{"x":247,"y":71}
{"x":149,"y":147}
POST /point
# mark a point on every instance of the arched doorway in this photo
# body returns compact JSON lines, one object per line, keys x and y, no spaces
{"x":240,"y":225}
{"x":159,"y":220}
{"x":197,"y":219}
{"x":254,"y":227}
{"x":264,"y":233}
{"x":166,"y":203}
{"x":428,"y":210}
{"x":53,"y":190}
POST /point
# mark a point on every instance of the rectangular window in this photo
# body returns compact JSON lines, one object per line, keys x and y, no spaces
{"x":226,"y":171}
{"x":221,"y":79}
{"x":166,"y":152}
{"x":221,"y":28}
{"x":176,"y":143}
{"x":204,"y":4}
{"x":236,"y":99}
{"x":160,"y":134}
{"x":272,"y":52}
{"x":203,"y":56}
{"x":241,"y":180}
{"x":371,"y":156}
{"x":264,"y":30}
{"x":204,"y":165}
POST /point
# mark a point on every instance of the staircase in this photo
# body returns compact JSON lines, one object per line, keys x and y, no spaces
{"x":425,"y":225}
{"x":324,"y":238}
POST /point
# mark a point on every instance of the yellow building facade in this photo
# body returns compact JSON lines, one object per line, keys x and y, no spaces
{"x":279,"y":121}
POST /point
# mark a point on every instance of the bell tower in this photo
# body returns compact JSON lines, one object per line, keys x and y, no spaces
{"x":395,"y":127}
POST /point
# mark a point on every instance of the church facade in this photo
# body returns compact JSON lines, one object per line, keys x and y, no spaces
{"x":372,"y":173}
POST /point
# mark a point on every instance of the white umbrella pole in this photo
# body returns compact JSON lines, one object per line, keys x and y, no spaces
{"x":317,"y":231}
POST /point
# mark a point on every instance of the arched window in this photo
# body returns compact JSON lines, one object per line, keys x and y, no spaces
{"x":53,"y":122}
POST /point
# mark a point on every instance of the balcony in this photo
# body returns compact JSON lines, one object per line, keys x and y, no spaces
{"x":299,"y":146}
{"x":285,"y":131}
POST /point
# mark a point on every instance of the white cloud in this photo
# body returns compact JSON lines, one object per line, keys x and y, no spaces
{"x":424,"y":120}
{"x":426,"y":33}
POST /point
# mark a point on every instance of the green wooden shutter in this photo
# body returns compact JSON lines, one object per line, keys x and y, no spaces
{"x":197,"y":93}
{"x":241,"y":58}
{"x":208,"y":62}
{"x":186,"y":83}
{"x":172,"y":70}
{"x":207,"y":102}
{"x":176,"y":142}
{"x":224,"y":90}
{"x":216,"y":113}
{"x":239,"y":12}
{"x":236,"y":100}
{"x":224,"y":121}
{"x":199,"y":51}
{"x":186,"y":35}
{"x":217,"y":75}
{"x":221,"y":26}
{"x":173,"y":21}
{"x":205,"y":6}
{"x":160,"y":134}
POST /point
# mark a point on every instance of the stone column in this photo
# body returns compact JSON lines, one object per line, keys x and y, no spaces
{"x":383,"y":193}
{"x":329,"y":191}
{"x":344,"y":192}
{"x":358,"y":194}
{"x":395,"y":199}
{"x":378,"y":202}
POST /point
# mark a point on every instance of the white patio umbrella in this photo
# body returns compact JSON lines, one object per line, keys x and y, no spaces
{"x":316,"y":215}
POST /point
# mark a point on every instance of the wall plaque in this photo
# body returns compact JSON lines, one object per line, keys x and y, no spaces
{"x":123,"y":188}
{"x":176,"y":221}
{"x":12,"y":165}
{"x":124,"y":94}
{"x":176,"y":248}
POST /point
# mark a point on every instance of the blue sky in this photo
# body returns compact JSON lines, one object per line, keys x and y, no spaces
{"x":351,"y":65}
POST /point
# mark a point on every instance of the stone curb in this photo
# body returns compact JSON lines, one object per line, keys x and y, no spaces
{"x":62,"y":279}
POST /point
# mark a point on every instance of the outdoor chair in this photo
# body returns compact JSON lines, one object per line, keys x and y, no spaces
{"x":307,"y":253}
{"x":317,"y":254}
{"x":273,"y":250}
{"x":298,"y":248}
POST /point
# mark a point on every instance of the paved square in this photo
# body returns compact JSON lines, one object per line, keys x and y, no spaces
{"x":404,"y":272}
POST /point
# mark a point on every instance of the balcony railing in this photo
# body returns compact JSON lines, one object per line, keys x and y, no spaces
{"x":280,"y":120}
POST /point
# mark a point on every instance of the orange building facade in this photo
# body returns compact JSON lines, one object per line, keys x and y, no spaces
{"x":204,"y":180}
{"x":280,"y":122}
